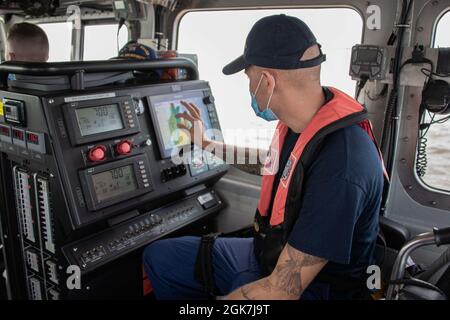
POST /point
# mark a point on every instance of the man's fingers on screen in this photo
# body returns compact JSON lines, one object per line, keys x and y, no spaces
{"x":185,"y":116}
{"x":196,"y":109}
{"x":182,"y":126}
{"x":193,"y":110}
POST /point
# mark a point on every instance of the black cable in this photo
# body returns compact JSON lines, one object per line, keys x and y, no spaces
{"x":361,"y":84}
{"x":430,"y":73}
{"x":426,"y":126}
{"x":421,"y":158}
{"x":414,"y":61}
{"x":442,"y":120}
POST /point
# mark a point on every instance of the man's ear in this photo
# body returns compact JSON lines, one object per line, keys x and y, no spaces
{"x":270,"y":80}
{"x":10,"y":56}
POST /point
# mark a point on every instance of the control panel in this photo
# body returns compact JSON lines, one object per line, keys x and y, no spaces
{"x":115,"y":149}
{"x":23,"y":142}
{"x":95,"y":251}
{"x":96,"y":174}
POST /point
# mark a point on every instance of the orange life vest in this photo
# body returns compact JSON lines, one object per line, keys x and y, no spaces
{"x":273,"y":228}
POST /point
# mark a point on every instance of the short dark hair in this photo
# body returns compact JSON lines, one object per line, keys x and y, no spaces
{"x":29,"y":33}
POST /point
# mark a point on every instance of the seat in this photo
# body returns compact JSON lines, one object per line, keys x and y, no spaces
{"x":395,"y":234}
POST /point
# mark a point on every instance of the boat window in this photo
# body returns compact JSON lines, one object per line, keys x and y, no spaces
{"x":433,"y":147}
{"x":101,"y":42}
{"x":60,"y":39}
{"x":217,"y":37}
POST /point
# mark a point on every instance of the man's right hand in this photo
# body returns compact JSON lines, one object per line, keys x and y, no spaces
{"x":219,"y":149}
{"x":197,"y":128}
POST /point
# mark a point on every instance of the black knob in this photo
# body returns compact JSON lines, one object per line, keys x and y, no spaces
{"x":208,"y":100}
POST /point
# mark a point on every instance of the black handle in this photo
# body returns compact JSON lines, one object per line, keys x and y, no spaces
{"x":442,"y":236}
{"x":71,"y":68}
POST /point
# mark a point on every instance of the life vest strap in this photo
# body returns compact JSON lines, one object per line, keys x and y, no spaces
{"x":203,"y":270}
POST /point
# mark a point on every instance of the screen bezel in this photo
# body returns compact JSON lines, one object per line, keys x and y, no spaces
{"x":89,"y":188}
{"x":166,"y":154}
{"x":74,"y":131}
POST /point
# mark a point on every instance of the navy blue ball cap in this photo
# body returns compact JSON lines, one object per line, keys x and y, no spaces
{"x":277,"y":42}
{"x":137,"y":51}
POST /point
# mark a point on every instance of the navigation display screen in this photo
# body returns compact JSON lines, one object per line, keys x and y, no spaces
{"x":115,"y":182}
{"x":367,"y":55}
{"x":165,"y":108}
{"x":99,"y":119}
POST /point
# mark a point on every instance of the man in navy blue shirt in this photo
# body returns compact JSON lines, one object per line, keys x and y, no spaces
{"x":337,"y":226}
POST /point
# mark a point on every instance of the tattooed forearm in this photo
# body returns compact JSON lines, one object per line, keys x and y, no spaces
{"x":252,"y":290}
{"x":265,"y":284}
{"x":289,"y":271}
{"x":293,"y":273}
{"x":244,"y":292}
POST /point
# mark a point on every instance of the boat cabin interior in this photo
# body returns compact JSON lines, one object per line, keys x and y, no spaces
{"x":94,"y":167}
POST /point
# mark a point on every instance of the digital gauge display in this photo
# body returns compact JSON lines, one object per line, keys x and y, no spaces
{"x":367,"y":55}
{"x":112,"y":183}
{"x":165,"y":109}
{"x":94,"y":120}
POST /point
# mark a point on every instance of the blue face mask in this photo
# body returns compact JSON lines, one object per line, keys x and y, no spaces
{"x":267,"y":114}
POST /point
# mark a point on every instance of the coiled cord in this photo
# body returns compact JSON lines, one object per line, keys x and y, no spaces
{"x":422,"y":160}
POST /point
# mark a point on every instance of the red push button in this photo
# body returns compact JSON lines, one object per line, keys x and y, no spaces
{"x":123,"y":147}
{"x":97,"y":153}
